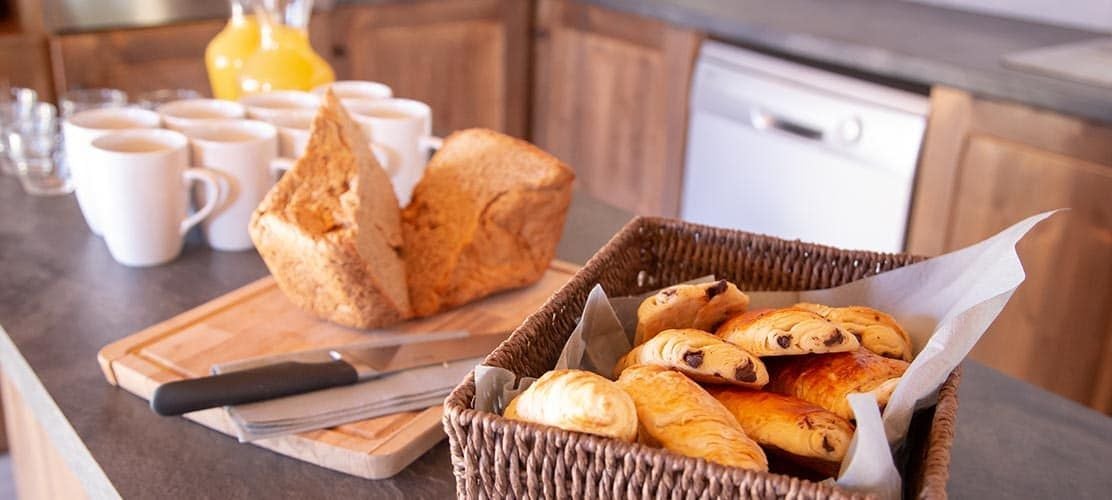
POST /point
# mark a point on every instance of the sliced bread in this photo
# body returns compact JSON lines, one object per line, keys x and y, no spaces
{"x":330,"y":230}
{"x":486,"y":216}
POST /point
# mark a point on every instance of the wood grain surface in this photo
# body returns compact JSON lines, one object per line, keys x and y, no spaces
{"x":610,"y":99}
{"x":258,"y":320}
{"x":985,"y":166}
{"x":38,"y":469}
{"x":467,"y":59}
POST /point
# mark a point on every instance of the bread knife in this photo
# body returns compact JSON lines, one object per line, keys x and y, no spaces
{"x":290,"y":374}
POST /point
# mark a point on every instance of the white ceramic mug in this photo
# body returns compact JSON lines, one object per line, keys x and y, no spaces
{"x":267,"y":105}
{"x":240,"y":151}
{"x":293,"y":133}
{"x":403,"y":128}
{"x":78,"y":132}
{"x":143,"y":177}
{"x":356,"y":89}
{"x":188,"y":113}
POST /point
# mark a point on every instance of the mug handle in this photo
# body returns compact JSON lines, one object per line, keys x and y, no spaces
{"x":279,"y":166}
{"x":431,"y":144}
{"x":212,"y":195}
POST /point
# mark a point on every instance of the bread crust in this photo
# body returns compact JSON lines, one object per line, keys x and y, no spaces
{"x":787,"y":331}
{"x":703,"y":306}
{"x":579,"y":401}
{"x":682,"y":417}
{"x":330,"y":229}
{"x":789,"y":424}
{"x":826,"y":379}
{"x":699,"y":355}
{"x":876,"y":330}
{"x":485,"y":217}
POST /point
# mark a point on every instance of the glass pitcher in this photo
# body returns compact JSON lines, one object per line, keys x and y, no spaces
{"x":285,"y":59}
{"x":265,"y":46}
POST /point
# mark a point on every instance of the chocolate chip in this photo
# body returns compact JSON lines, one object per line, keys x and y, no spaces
{"x":693,"y":359}
{"x":784,"y":341}
{"x":807,"y":423}
{"x":745,"y":373}
{"x":836,"y":338}
{"x":716,"y":289}
{"x":668,"y":292}
{"x":826,"y":445}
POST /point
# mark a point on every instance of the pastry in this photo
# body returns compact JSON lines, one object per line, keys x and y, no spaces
{"x":792,"y":426}
{"x":703,"y":306}
{"x":826,"y":379}
{"x":699,"y":355}
{"x":577,"y":400}
{"x":330,"y":229}
{"x":877,"y":331}
{"x":682,"y":417}
{"x":779,"y":332}
{"x":485,"y":217}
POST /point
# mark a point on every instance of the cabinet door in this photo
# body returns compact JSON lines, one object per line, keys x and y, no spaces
{"x":24,"y":63}
{"x":467,"y":59}
{"x":987,"y":165}
{"x":610,"y":99}
{"x":135,"y":60}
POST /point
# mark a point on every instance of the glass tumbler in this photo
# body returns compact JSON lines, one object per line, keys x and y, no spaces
{"x":34,"y":145}
{"x":80,"y":100}
{"x":15,"y":103}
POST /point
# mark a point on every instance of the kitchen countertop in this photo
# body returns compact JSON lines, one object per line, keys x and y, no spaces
{"x":892,"y":40}
{"x":63,"y":298}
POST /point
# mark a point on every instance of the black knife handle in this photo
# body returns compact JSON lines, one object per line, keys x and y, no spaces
{"x":246,"y":386}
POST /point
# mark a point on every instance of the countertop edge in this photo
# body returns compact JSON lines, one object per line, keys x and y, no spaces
{"x":65,"y":439}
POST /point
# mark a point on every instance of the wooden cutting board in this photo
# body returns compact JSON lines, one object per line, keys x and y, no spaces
{"x":258,"y":320}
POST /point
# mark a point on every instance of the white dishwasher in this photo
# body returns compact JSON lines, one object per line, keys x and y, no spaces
{"x":787,"y":150}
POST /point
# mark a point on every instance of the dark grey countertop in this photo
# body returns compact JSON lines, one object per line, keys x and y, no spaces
{"x":62,"y":298}
{"x":893,"y":40}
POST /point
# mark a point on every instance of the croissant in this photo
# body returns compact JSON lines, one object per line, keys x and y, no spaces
{"x":699,"y":355}
{"x":779,"y":332}
{"x":792,"y":426}
{"x":826,"y":379}
{"x":577,"y":400}
{"x":703,"y":306}
{"x":877,"y":331}
{"x":682,"y":417}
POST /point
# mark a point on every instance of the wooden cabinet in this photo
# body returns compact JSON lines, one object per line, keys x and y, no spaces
{"x":24,"y":63}
{"x":986,"y":165}
{"x":135,"y":60}
{"x":468,"y":59}
{"x":610,"y":96}
{"x":139,"y":60}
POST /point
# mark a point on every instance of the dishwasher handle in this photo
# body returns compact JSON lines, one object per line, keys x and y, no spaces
{"x":763,"y":120}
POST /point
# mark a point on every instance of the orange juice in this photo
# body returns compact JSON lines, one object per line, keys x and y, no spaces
{"x":284,"y":61}
{"x":263,"y":51}
{"x":226,"y":53}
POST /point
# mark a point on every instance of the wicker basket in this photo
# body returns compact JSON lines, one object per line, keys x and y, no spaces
{"x":493,"y":457}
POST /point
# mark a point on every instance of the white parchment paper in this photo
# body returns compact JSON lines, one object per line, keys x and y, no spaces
{"x":945,"y":303}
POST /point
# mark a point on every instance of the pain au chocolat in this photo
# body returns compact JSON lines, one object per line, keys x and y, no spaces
{"x":699,"y":355}
{"x":788,"y":331}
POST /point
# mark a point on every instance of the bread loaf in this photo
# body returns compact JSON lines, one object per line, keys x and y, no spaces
{"x":485,"y":217}
{"x":330,"y":230}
